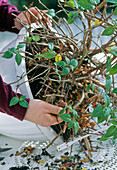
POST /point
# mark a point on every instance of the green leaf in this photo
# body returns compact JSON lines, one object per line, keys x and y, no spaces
{"x":71,"y":3}
{"x":115,"y":23}
{"x":67,"y":60}
{"x":71,"y":124}
{"x":115,"y":4}
{"x":108,"y":67}
{"x":103,"y":138}
{"x":28,"y":39}
{"x":56,"y":68}
{"x":14,"y":101}
{"x":59,"y":77}
{"x":114,"y":91}
{"x":51,"y":12}
{"x":20,"y":46}
{"x":108,"y":31}
{"x":61,"y":63}
{"x":74,"y":62}
{"x":65,"y":117}
{"x":88,"y":87}
{"x":70,"y":14}
{"x":106,"y":99}
{"x":75,"y":14}
{"x":70,"y":20}
{"x":114,"y":122}
{"x":98,"y":111}
{"x":107,"y":112}
{"x":76,"y":126}
{"x":114,"y":51}
{"x":94,"y":2}
{"x":101,"y":119}
{"x":75,"y":114}
{"x":115,"y":135}
{"x":38,"y":55}
{"x":111,"y":1}
{"x":13,"y":49}
{"x":72,"y":68}
{"x":51,"y":46}
{"x":36,"y":38}
{"x":24,"y":103}
{"x":7,"y":55}
{"x":115,"y":13}
{"x":18,"y":59}
{"x":113,"y":140}
{"x":86,"y":4}
{"x":63,"y":110}
{"x":108,"y":83}
{"x":71,"y":110}
{"x":93,"y":87}
{"x":112,"y":130}
{"x":22,"y":98}
{"x":113,"y":70}
{"x":65,"y":71}
{"x":115,"y":114}
{"x":49,"y":54}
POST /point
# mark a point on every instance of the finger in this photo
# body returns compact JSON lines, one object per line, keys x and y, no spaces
{"x":37,"y":22}
{"x":48,"y":21}
{"x":50,"y":120}
{"x":45,"y":21}
{"x":45,"y":11}
{"x":54,"y":109}
{"x":59,"y":120}
{"x":55,"y":120}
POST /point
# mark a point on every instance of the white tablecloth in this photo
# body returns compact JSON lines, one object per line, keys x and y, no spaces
{"x":107,"y":156}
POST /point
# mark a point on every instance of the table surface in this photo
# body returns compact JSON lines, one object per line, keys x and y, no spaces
{"x":8,"y":142}
{"x":107,"y":157}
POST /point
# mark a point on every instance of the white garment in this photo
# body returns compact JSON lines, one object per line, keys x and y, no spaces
{"x":9,"y":125}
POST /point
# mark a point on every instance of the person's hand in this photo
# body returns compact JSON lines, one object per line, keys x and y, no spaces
{"x":42,"y":113}
{"x":31,"y":18}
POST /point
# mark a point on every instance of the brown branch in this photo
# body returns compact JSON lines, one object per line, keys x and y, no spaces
{"x":54,"y":139}
{"x":103,"y":46}
{"x":80,"y":101}
{"x":99,"y":6}
{"x":30,"y":12}
{"x":88,"y":147}
{"x":97,"y":82}
{"x":43,"y":5}
{"x":62,"y":37}
{"x":90,"y":35}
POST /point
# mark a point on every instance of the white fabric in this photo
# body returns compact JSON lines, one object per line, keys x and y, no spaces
{"x":10,"y":126}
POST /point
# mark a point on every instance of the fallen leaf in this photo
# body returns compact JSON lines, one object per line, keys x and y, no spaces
{"x":18,"y":153}
{"x":58,"y":57}
{"x":84,"y":160}
{"x":41,"y":161}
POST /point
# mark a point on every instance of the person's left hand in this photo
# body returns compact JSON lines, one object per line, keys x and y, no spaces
{"x":43,"y":113}
{"x":31,"y":18}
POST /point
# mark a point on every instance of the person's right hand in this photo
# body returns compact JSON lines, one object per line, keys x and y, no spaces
{"x":31,"y":18}
{"x":42,"y":113}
